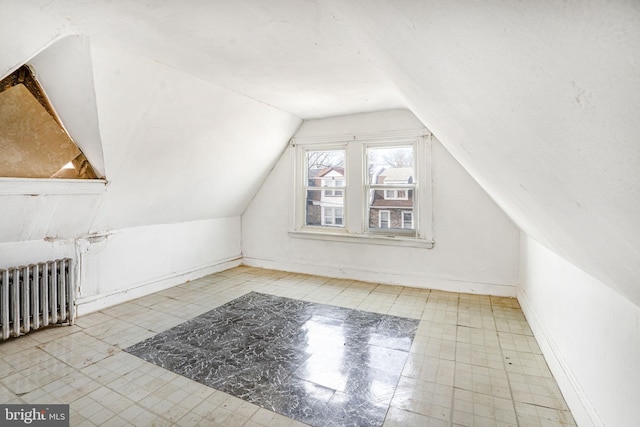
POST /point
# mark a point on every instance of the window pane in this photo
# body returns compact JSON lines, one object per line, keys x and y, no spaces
{"x":390,"y":165}
{"x":325,"y":168}
{"x":407,"y":220}
{"x":391,"y":214}
{"x":325,"y":187}
{"x":391,"y":208}
{"x":383,"y":219}
{"x":397,"y":194}
{"x":330,"y":216}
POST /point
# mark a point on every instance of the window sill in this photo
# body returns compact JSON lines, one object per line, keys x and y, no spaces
{"x":364,"y":238}
{"x":41,"y":186}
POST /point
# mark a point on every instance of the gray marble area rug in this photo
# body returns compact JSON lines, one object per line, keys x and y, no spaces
{"x":319,"y":364}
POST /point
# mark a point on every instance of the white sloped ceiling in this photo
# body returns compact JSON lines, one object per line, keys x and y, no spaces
{"x":178,"y":148}
{"x":539,"y":102}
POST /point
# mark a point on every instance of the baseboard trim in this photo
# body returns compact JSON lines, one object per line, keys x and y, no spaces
{"x":384,"y":277}
{"x":94,"y":303}
{"x":582,"y":410}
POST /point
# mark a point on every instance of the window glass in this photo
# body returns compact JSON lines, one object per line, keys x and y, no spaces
{"x":372,"y":187}
{"x":325,"y":172}
{"x":407,"y":219}
{"x":384,"y":219}
{"x":332,"y":181}
{"x":390,"y":165}
{"x":391,"y":183}
{"x":331,"y":216}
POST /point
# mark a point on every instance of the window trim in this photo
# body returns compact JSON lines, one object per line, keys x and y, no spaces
{"x":355,"y":226}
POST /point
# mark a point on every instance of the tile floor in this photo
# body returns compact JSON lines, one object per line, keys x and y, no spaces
{"x":473,"y":361}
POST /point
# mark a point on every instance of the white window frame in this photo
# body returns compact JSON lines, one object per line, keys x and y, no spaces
{"x":356,"y":195}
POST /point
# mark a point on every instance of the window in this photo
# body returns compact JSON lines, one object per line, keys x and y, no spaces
{"x":333,"y":182}
{"x":384,"y":219}
{"x":407,"y":219}
{"x":373,"y":188}
{"x":331,"y":216}
{"x":395,"y":194}
{"x":325,"y":172}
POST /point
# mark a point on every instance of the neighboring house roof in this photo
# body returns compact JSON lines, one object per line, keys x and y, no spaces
{"x":396,"y":175}
{"x":380,"y":203}
{"x":319,"y":173}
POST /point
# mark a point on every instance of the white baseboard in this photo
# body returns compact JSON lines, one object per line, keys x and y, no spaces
{"x":385,"y":277}
{"x":86,"y":305}
{"x":582,"y":410}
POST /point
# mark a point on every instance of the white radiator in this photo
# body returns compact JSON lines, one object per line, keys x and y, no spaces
{"x":35,"y":296}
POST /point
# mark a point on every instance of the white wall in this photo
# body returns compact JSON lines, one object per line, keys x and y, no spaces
{"x":13,"y":254}
{"x":589,"y":334}
{"x":119,"y":265}
{"x":129,"y":263}
{"x":476,"y":245}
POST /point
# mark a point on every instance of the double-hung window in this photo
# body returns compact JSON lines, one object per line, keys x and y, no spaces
{"x":331,"y":216}
{"x":384,"y":219}
{"x":324,"y":193}
{"x":365,"y":188}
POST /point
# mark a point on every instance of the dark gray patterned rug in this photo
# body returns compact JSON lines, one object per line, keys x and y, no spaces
{"x":319,"y":364}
